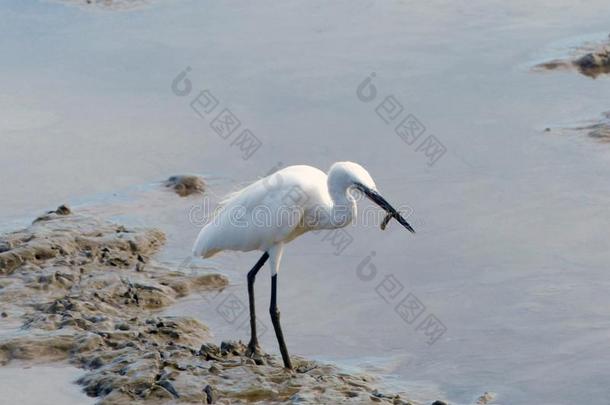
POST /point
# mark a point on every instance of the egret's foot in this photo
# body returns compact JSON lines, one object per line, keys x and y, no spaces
{"x":255,"y":353}
{"x":254,"y":350}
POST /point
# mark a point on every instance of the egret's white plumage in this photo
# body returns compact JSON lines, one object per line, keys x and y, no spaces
{"x":256,"y":217}
{"x":278,"y":208}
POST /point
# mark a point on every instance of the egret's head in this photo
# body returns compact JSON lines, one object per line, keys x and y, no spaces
{"x":349,"y":174}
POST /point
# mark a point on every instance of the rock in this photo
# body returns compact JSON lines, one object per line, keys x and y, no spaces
{"x":62,"y":210}
{"x":4,"y":247}
{"x":485,"y":399}
{"x":232,"y":347}
{"x":169,"y":387}
{"x":594,"y":60}
{"x":210,"y":394}
{"x":185,"y":185}
{"x":439,"y":402}
{"x":210,"y":352}
{"x":214,"y":369}
{"x":297,"y":399}
{"x":122,"y":326}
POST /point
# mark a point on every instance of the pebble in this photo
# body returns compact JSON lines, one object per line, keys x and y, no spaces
{"x":210,"y":393}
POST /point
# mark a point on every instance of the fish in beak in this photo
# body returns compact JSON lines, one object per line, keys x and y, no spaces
{"x":383,"y":203}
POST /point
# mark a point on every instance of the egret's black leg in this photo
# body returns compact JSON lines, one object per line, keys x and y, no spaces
{"x":253,"y":345}
{"x":275,"y":319}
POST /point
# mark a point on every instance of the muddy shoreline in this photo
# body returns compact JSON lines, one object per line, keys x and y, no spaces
{"x":591,"y":60}
{"x":80,"y":289}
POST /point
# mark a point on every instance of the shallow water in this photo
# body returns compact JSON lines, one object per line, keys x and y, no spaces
{"x":510,"y":251}
{"x":41,"y":384}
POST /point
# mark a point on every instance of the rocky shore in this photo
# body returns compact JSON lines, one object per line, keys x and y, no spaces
{"x":84,"y":290}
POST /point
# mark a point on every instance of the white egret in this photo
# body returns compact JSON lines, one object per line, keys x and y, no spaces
{"x":276,"y":209}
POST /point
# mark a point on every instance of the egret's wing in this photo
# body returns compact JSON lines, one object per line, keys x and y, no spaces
{"x":263,"y":213}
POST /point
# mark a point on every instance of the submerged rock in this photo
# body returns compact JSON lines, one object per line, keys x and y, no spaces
{"x":485,"y":399}
{"x":186,"y":185}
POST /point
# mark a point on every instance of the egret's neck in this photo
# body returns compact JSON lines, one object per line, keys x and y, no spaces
{"x":343,"y":209}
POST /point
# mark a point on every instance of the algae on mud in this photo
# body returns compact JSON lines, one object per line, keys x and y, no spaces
{"x":88,"y":291}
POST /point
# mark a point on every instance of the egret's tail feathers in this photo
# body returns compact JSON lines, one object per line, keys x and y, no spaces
{"x":202,"y":247}
{"x":197,"y":251}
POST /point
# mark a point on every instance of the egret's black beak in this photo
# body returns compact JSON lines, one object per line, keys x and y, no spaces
{"x":379,"y":200}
